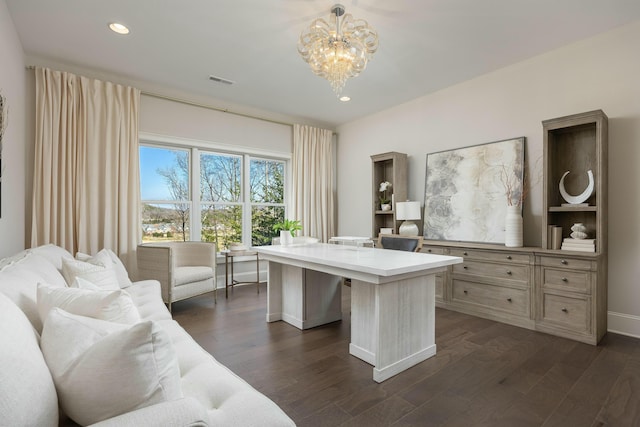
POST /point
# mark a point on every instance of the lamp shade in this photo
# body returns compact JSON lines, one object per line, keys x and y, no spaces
{"x":408,"y":210}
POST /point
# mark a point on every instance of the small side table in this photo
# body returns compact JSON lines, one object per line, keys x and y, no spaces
{"x":231,"y":255}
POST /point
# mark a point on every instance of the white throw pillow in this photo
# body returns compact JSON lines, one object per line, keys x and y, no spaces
{"x":102,"y":369}
{"x":86,"y":299}
{"x":107,"y":257}
{"x":100,"y":275}
{"x":27,"y":394}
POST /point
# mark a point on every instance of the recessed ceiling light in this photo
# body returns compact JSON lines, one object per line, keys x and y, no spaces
{"x":118,"y":28}
{"x":345,"y":99}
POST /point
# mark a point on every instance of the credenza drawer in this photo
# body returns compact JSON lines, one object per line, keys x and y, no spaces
{"x":490,"y":256}
{"x":564,"y":262}
{"x":569,"y":280}
{"x":500,"y":271}
{"x":433,"y":250}
{"x":569,"y":312}
{"x":503,"y":298}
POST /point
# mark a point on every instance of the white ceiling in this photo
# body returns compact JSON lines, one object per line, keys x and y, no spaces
{"x":425,"y":45}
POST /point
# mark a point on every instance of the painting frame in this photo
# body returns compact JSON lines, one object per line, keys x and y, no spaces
{"x":468,"y":189}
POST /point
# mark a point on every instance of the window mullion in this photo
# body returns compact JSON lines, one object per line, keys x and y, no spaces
{"x":246,"y":201}
{"x":196,"y":211}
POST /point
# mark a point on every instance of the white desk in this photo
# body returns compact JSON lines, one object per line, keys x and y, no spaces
{"x":392,"y":298}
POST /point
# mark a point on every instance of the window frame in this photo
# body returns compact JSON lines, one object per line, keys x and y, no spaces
{"x":195,"y":148}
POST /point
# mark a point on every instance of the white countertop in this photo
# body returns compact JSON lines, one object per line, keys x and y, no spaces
{"x":379,"y":262}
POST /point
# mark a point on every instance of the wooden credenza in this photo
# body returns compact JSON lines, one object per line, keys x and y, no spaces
{"x":558,"y":292}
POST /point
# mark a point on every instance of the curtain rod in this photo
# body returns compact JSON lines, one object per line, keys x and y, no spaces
{"x":197,"y":104}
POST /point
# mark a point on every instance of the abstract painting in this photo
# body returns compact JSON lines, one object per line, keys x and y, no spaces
{"x":467,"y":191}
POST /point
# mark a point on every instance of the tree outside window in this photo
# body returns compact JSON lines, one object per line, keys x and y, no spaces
{"x":224,"y":200}
{"x":164,"y":190}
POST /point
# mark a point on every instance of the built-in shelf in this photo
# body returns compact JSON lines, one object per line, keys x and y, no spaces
{"x":573,"y":209}
{"x":390,"y":167}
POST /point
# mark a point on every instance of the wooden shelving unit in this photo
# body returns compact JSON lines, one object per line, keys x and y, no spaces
{"x":390,"y":167}
{"x":571,"y":292}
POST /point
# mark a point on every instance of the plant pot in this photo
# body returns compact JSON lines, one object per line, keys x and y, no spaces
{"x":385,"y":206}
{"x":285,"y":238}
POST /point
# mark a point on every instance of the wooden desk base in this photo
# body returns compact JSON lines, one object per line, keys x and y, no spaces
{"x":392,"y":324}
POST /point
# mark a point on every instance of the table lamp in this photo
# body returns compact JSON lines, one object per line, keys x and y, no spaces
{"x":408,"y":212}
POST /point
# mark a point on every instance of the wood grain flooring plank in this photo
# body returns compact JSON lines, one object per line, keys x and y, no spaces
{"x":484,"y":374}
{"x":622,"y":407}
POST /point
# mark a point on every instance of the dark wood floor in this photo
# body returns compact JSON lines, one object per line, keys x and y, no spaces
{"x":484,"y":373}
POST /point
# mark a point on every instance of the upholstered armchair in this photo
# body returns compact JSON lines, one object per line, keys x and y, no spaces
{"x":184,"y":269}
{"x":400,"y":243}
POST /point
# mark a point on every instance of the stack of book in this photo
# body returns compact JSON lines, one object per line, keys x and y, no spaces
{"x":584,"y":245}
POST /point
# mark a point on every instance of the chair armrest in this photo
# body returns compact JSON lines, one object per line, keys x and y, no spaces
{"x":195,"y":254}
{"x":155,"y":262}
{"x":177,"y":413}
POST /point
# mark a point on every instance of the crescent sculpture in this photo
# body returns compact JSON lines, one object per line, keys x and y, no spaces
{"x":581,"y":198}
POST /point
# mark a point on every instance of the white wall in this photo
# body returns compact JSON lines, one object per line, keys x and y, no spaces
{"x":13,"y":86}
{"x":602,"y":72}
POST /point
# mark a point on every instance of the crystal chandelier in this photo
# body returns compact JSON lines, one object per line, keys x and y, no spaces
{"x":338,"y":50}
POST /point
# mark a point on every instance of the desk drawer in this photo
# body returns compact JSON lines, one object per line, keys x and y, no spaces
{"x":568,"y":312}
{"x":503,"y":298}
{"x":569,"y":280}
{"x":500,"y":271}
{"x":491,"y":256}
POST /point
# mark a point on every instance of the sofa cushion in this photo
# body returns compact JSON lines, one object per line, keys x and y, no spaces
{"x":100,"y":275}
{"x":27,"y":393}
{"x":107,"y":257}
{"x":103,"y":369}
{"x":226,"y":396}
{"x":183,"y":275}
{"x":55,"y":254}
{"x":148,"y":299}
{"x":20,"y":277}
{"x":88,"y":300}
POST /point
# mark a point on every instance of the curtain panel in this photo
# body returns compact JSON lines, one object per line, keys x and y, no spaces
{"x":86,"y":171}
{"x":313,"y":191}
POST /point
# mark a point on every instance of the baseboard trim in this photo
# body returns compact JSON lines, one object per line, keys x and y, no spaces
{"x":623,"y":324}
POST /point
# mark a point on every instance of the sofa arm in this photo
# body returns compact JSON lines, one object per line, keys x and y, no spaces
{"x":177,"y":413}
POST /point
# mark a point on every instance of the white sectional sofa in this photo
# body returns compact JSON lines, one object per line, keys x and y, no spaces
{"x":49,"y":364}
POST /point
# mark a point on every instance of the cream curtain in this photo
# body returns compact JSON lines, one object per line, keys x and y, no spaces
{"x":86,"y":180}
{"x":313,"y":181}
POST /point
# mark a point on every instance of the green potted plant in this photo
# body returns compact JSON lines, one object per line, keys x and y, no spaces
{"x":287,"y":229}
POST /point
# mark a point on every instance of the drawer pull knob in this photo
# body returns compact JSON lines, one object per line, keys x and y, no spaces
{"x":464,"y":253}
{"x":509,"y":299}
{"x":564,"y":262}
{"x":465,"y":292}
{"x":428,"y":250}
{"x":564,"y":310}
{"x":508,"y":256}
{"x":564,"y":279}
{"x":465,"y":267}
{"x":509,"y":272}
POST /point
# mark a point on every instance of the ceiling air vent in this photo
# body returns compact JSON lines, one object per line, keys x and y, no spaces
{"x":221,"y":80}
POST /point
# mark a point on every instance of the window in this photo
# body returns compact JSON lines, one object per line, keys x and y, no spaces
{"x":164,"y":190}
{"x":266,"y":195}
{"x":232,"y":202}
